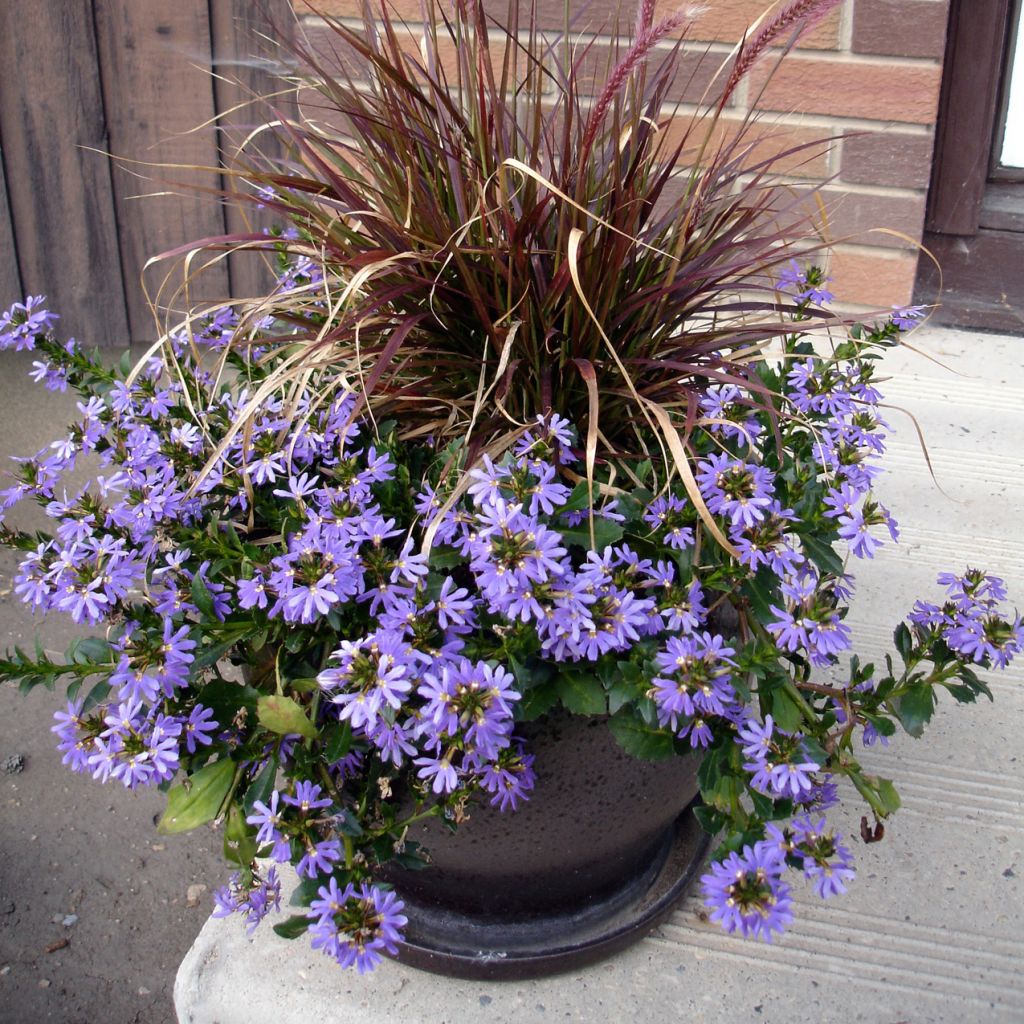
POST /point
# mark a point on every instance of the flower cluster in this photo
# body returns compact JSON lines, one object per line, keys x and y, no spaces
{"x":398,"y":608}
{"x":971,"y":621}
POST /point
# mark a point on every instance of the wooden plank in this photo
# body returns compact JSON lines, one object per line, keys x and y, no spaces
{"x":155,"y":60}
{"x":967,"y":109}
{"x":10,"y":279}
{"x":60,"y":193}
{"x":247,"y":62}
{"x":1002,"y":209}
{"x":983,"y":280}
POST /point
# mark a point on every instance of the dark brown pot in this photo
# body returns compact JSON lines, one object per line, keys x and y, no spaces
{"x":596,"y":858}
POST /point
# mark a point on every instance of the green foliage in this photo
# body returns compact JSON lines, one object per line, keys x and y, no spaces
{"x":197,"y":798}
{"x":292,"y":927}
{"x":639,"y":738}
{"x":579,"y":694}
{"x":285,"y":717}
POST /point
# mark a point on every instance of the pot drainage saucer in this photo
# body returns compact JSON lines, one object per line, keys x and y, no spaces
{"x":445,"y":942}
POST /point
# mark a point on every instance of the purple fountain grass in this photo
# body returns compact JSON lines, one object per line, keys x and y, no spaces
{"x":497,"y":245}
{"x":646,"y":39}
{"x":798,"y":17}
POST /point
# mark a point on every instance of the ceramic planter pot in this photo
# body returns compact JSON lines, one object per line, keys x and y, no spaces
{"x":593,"y":861}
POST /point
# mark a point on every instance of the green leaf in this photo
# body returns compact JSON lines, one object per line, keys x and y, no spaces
{"x":207,"y":656}
{"x":821,"y":554}
{"x":305,"y":892}
{"x":605,"y":532}
{"x":202,"y":598}
{"x":620,"y":693}
{"x":726,"y":793}
{"x":581,"y":693}
{"x":758,"y":592}
{"x":710,"y":820}
{"x":529,"y":673}
{"x":915,"y":708}
{"x":225,"y":698}
{"x":786,"y":712}
{"x":578,"y":500}
{"x":883,"y":726}
{"x":710,"y":771}
{"x":764,"y":806}
{"x":410,"y":857}
{"x":537,"y":701}
{"x":904,"y":641}
{"x":345,"y":822}
{"x":339,"y":741}
{"x":89,"y":650}
{"x":814,"y":750}
{"x":239,"y":838}
{"x":445,"y":558}
{"x":284,"y":716}
{"x":98,"y":693}
{"x":639,"y":739}
{"x":197,"y":798}
{"x":293,"y":927}
{"x":262,"y":786}
{"x":888,"y":795}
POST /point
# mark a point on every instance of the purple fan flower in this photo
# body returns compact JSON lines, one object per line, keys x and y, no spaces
{"x":199,"y":728}
{"x":738,"y":490}
{"x":745,"y":893}
{"x":906,"y":318}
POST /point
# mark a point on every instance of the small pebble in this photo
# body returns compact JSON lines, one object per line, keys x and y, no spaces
{"x":6,"y":969}
{"x":13,"y":764}
{"x":69,"y":920}
{"x":44,"y":982}
{"x":193,"y":894}
{"x":144,"y":991}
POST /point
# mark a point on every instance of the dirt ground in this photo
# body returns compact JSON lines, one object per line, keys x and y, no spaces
{"x":95,"y":907}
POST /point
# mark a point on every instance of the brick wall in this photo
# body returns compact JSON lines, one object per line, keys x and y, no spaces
{"x":867,"y":75}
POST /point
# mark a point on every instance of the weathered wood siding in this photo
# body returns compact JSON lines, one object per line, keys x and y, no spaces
{"x":143,"y":80}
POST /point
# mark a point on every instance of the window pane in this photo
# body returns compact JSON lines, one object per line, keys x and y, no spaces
{"x":1013,"y":137}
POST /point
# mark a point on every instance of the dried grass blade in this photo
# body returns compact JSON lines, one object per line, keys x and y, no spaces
{"x":682,"y":463}
{"x":587,"y":372}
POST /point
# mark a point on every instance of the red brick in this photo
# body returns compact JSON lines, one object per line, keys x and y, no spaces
{"x":887,"y":158}
{"x":727,"y":20}
{"x":901,"y":28}
{"x":402,"y":10}
{"x":852,"y":216}
{"x":879,"y":280}
{"x":337,"y":57}
{"x":723,"y":21}
{"x":881,"y":92}
{"x":765,"y":140}
{"x":693,"y":74}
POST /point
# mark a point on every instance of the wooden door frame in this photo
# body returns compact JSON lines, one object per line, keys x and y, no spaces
{"x":968,"y":104}
{"x":974,"y":222}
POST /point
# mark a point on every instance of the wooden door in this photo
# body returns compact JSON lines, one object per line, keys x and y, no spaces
{"x":146,"y":81}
